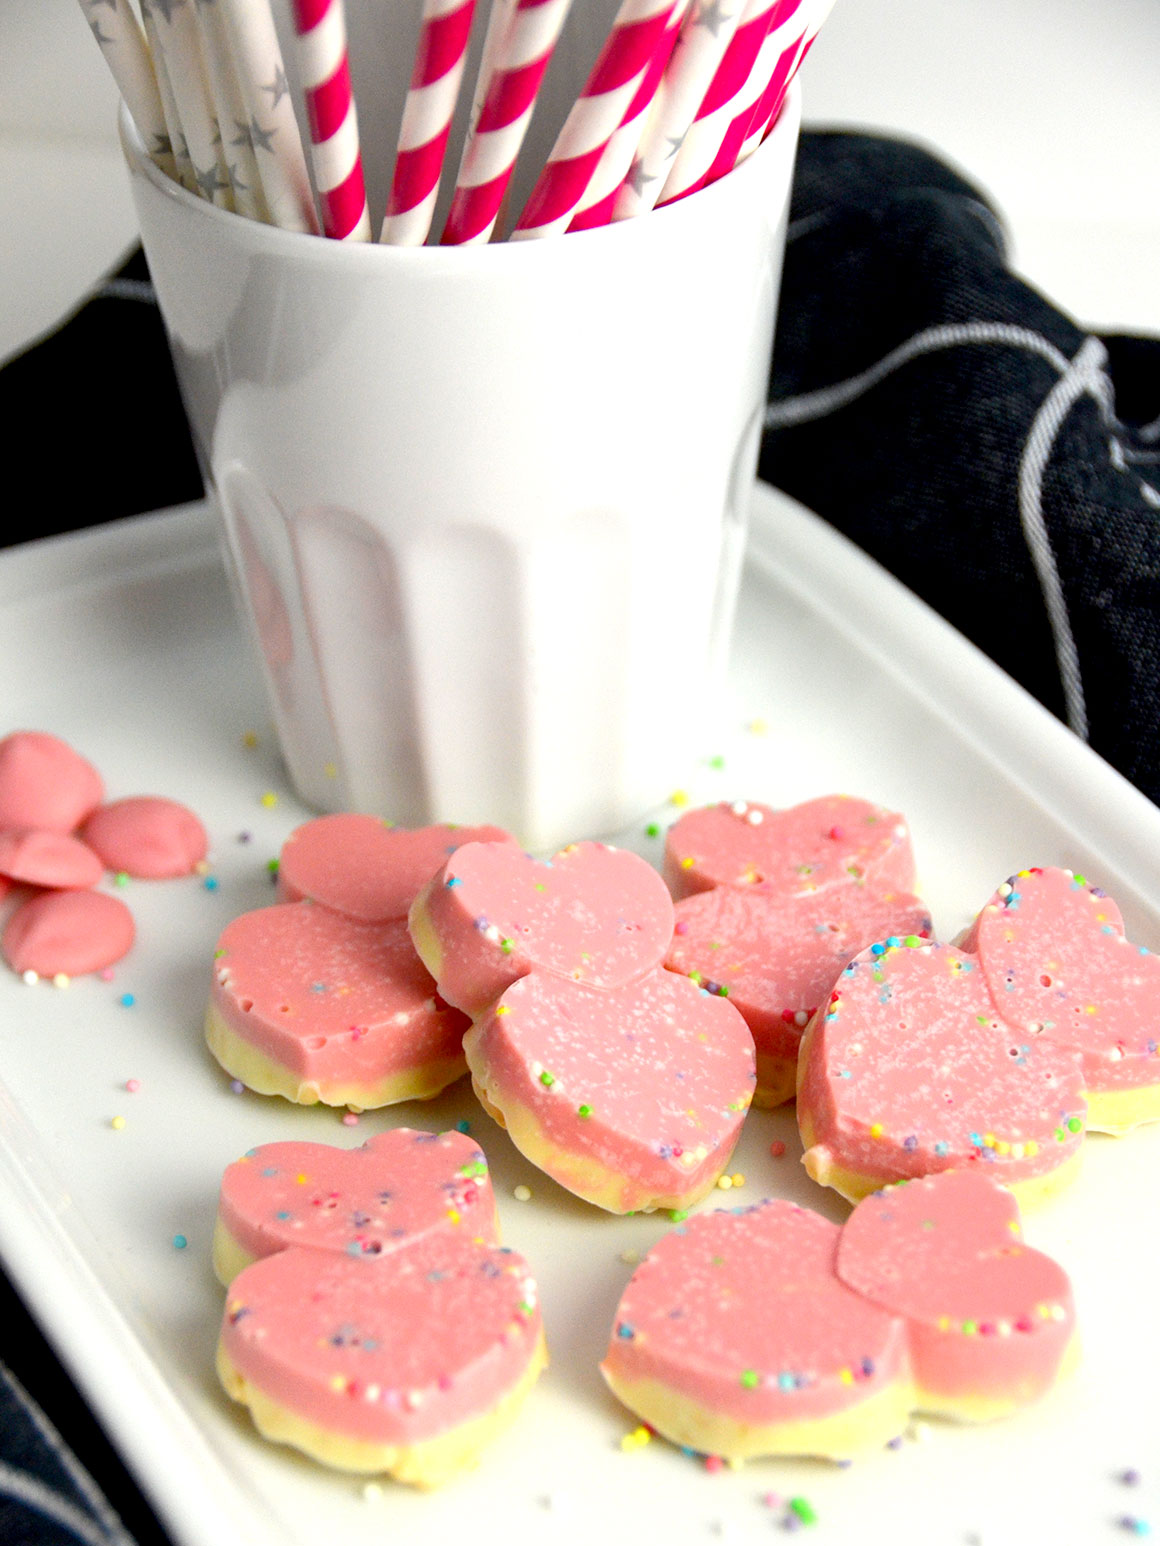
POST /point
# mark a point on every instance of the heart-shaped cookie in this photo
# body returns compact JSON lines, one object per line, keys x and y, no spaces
{"x":312,"y":1005}
{"x":990,"y":1321}
{"x":909,"y":1069}
{"x":1058,"y":965}
{"x":736,"y":1337}
{"x":834,"y":840}
{"x":592,"y":914}
{"x":409,"y":1363}
{"x":396,"y":1188}
{"x":365,"y":867}
{"x":633,"y":1097}
{"x":776,"y":958}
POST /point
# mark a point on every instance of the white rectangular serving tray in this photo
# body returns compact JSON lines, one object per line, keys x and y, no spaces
{"x":123,"y":641}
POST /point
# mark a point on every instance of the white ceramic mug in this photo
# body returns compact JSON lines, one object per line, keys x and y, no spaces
{"x":485,"y":505}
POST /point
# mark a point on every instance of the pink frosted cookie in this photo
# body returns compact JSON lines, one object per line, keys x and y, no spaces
{"x":51,"y":859}
{"x":631,"y":1097}
{"x":623,"y":1082}
{"x":409,"y":1363}
{"x":315,"y":1006}
{"x":147,"y":836}
{"x":366,"y":868}
{"x":834,"y":840}
{"x":1055,"y":957}
{"x":396,"y":1188}
{"x":909,"y":1069}
{"x":776,"y":958}
{"x":735,"y":1337}
{"x":44,"y":784}
{"x":593,"y":914}
{"x":69,"y":932}
{"x":991,"y":1323}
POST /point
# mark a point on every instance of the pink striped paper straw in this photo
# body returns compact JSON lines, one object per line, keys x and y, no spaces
{"x":118,"y":33}
{"x":490,"y":156}
{"x":788,"y":65}
{"x":611,"y":89}
{"x":726,"y":114}
{"x":704,"y":38}
{"x":595,"y":205}
{"x":325,"y":69}
{"x":444,"y":36}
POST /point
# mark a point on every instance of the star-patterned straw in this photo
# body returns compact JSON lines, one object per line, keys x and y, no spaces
{"x":611,"y":89}
{"x":700,"y":49}
{"x":440,"y":57}
{"x":229,"y":110}
{"x":178,"y":39}
{"x":325,"y":67}
{"x":118,"y":32}
{"x":273,"y":128}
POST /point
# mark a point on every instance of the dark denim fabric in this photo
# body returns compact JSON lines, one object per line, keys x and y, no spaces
{"x":955,"y":424}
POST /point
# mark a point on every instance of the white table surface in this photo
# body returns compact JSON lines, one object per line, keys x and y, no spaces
{"x":1052,"y":109}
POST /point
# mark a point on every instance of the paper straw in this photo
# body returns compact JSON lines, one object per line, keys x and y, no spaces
{"x":440,"y":57}
{"x":788,"y":65}
{"x":273,"y":129}
{"x":598,"y":112}
{"x":730,"y":99}
{"x":509,"y":98}
{"x":122,"y":43}
{"x":595,"y":204}
{"x":168,"y":104}
{"x":700,"y":48}
{"x":325,"y":69}
{"x":179,"y":42}
{"x":230,"y":112}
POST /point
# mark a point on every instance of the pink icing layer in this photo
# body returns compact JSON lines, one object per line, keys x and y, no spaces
{"x":366,"y":868}
{"x":332,"y":999}
{"x":68,"y":931}
{"x":987,"y":1316}
{"x":908,"y":1069}
{"x":743,"y":1313}
{"x":1058,"y":965}
{"x":392,"y":1350}
{"x":44,"y":783}
{"x":147,"y":836}
{"x":833,"y":840}
{"x":396,"y":1188}
{"x":592,"y":914}
{"x":52,"y":859}
{"x":651,"y":1082}
{"x":777,"y":957}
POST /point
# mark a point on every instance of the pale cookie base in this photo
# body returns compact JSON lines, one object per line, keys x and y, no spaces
{"x":869,"y":1424}
{"x":776,"y":1081}
{"x":990,"y":1408}
{"x":260,"y":1073}
{"x":229,"y":1258}
{"x":853,"y":1185}
{"x":1119,"y":1111}
{"x":425,"y":1463}
{"x":584,"y":1176}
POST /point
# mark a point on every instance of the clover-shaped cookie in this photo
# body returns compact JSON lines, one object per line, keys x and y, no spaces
{"x":909,"y":1068}
{"x":406,"y":1359}
{"x":774,"y":903}
{"x":833,"y":840}
{"x":1058,"y":965}
{"x":389,"y":1192}
{"x":767,"y":1330}
{"x":624,"y":1082}
{"x":322,"y":997}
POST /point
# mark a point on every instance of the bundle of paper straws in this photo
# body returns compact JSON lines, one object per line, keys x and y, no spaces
{"x":680,"y":93}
